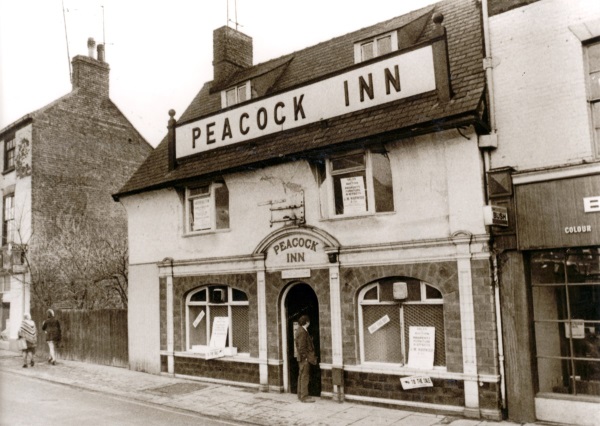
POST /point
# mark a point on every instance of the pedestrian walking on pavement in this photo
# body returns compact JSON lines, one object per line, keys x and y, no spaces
{"x":28,"y":332}
{"x":53,"y":335}
{"x":306,"y":357}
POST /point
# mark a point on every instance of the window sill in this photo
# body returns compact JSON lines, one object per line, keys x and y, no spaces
{"x":7,"y":171}
{"x":398,"y":370}
{"x":565,"y":396}
{"x":350,"y":217}
{"x":240,"y":357}
{"x":207,"y":232}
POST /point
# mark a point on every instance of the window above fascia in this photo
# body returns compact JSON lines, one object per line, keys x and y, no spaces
{"x":375,"y":46}
{"x":236,"y":94}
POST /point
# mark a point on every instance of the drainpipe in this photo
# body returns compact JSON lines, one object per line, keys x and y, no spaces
{"x":488,"y":143}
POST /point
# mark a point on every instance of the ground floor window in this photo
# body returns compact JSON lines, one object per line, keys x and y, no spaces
{"x":566,"y":301}
{"x":205,"y":304}
{"x":390,"y":310}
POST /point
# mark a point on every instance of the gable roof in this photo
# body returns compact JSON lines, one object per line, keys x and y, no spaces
{"x":419,"y":114}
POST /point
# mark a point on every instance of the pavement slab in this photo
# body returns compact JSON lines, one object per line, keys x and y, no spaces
{"x":239,"y":404}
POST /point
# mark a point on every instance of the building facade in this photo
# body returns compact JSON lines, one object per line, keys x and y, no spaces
{"x":545,"y":171}
{"x":344,"y":181}
{"x":62,"y":163}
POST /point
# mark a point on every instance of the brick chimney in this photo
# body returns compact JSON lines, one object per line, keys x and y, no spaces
{"x":90,"y":74}
{"x":232,"y":52}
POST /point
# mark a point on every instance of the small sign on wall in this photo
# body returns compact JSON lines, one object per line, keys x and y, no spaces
{"x":414,"y":382}
{"x":378,"y":324}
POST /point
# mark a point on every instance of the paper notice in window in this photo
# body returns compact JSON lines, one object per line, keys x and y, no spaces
{"x":198,"y":319}
{"x":378,"y":324}
{"x":421,"y":344}
{"x":578,"y":327}
{"x":353,"y":195}
{"x":218,"y":336}
{"x":202,"y":218}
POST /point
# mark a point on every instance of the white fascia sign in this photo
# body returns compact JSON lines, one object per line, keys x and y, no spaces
{"x":390,"y":79}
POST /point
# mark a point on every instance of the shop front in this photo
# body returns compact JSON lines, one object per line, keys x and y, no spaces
{"x":559,"y":235}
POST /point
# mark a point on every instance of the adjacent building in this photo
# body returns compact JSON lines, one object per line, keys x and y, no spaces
{"x":60,"y":164}
{"x":345,"y":181}
{"x":545,"y":57}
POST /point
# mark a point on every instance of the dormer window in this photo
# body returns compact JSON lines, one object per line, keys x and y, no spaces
{"x":376,"y":46}
{"x":235,"y":95}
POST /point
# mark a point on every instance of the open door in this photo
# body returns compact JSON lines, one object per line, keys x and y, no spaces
{"x":302,"y":300}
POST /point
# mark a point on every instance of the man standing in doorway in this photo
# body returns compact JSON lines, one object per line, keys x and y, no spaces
{"x":306,"y":356}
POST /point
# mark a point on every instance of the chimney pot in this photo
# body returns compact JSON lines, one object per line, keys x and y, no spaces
{"x":91,"y":43}
{"x":100,"y":48}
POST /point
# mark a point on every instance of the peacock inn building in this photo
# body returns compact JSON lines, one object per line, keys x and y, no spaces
{"x":344,"y":181}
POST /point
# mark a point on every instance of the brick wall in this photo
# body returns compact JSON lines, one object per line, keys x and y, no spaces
{"x":83,"y":151}
{"x":218,"y":369}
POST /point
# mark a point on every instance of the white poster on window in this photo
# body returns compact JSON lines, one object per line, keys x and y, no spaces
{"x":218,"y":336}
{"x":578,"y":328}
{"x":379,"y":323}
{"x":198,"y":319}
{"x":354,"y":195}
{"x":202,"y":218}
{"x":421,"y":344}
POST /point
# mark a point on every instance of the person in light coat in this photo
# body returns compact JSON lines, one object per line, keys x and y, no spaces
{"x":28,"y":333}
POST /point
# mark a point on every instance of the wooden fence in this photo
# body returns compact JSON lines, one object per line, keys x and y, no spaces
{"x":98,"y":336}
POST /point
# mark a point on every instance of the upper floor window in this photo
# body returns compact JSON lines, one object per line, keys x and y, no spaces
{"x":388,"y":308}
{"x":8,"y":219}
{"x":207,"y":303}
{"x":593,"y":60}
{"x":4,"y":283}
{"x":207,"y":207}
{"x":358,"y":183}
{"x":235,"y":95}
{"x":9,"y":154}
{"x":377,"y":46}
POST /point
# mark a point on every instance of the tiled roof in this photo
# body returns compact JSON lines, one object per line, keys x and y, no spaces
{"x":426,"y":111}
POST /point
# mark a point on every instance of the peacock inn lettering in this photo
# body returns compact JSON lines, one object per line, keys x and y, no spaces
{"x":393,"y":78}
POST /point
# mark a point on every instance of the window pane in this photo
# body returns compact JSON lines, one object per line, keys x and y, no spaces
{"x":384,"y":45}
{"x":218,"y":294}
{"x":240,"y":328}
{"x":596,"y":120}
{"x":350,"y":194}
{"x":384,"y":345}
{"x":222,"y":205}
{"x":367,"y":51}
{"x":219,"y":311}
{"x":382,"y":183}
{"x":200,"y":214}
{"x":241,"y":93}
{"x":238,"y":296}
{"x":432,"y":292}
{"x":423,"y":315}
{"x":348,"y":162}
{"x":595,"y":85}
{"x":594,"y":57}
{"x":547,"y":267}
{"x":199,"y":190}
{"x":197,"y":333}
{"x":371,"y":294}
{"x":199,"y":296}
{"x":231,"y":97}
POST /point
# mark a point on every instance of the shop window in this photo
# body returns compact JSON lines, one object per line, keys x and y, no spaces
{"x":235,"y":95}
{"x":593,"y":63}
{"x":207,"y":207}
{"x":8,"y":219}
{"x":377,"y":46}
{"x":566,"y":308}
{"x":9,"y":154}
{"x":357,"y":183}
{"x":205,"y":304}
{"x":388,"y":308}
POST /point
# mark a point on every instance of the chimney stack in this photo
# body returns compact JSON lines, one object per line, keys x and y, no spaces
{"x":91,"y":75}
{"x":232,"y":52}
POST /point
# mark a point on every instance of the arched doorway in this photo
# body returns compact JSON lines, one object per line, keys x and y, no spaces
{"x":300,"y":299}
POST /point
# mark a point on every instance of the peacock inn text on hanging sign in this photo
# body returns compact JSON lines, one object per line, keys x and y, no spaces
{"x":401,"y":76}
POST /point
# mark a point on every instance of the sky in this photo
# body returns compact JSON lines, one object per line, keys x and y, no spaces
{"x":159,"y":52}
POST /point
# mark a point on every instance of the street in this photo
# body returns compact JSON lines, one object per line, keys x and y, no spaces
{"x":26,"y":401}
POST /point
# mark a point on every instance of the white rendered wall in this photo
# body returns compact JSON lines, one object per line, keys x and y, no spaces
{"x":539,"y":84}
{"x":437,"y":191}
